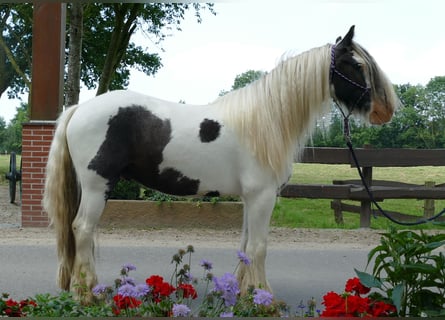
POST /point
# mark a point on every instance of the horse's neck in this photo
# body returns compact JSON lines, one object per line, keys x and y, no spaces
{"x":277,"y":112}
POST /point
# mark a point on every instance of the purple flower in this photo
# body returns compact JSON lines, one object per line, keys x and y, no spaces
{"x":127,"y":290}
{"x":242,"y":256}
{"x":206,"y":264}
{"x":263,"y":297}
{"x":227,"y":286}
{"x":100,"y":289}
{"x":129,"y":267}
{"x":141,"y":290}
{"x":227,"y":314}
{"x":180,"y":310}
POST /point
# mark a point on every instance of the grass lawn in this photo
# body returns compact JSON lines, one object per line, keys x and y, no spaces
{"x":4,"y":166}
{"x":317,"y":213}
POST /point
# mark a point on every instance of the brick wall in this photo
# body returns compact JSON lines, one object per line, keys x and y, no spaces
{"x":36,"y":141}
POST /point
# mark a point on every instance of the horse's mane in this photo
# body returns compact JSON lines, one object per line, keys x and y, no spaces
{"x":381,"y":86}
{"x":274,"y":114}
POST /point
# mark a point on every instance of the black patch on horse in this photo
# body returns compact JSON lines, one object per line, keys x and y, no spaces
{"x":209,"y":130}
{"x":174,"y":182}
{"x":133,"y":149}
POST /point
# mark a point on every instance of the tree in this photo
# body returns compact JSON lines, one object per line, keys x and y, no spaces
{"x":435,"y":99}
{"x":75,"y":34}
{"x":13,"y":133}
{"x":243,"y":79}
{"x":2,"y":135}
{"x":107,"y":52}
{"x":15,"y":48}
{"x":246,"y":78}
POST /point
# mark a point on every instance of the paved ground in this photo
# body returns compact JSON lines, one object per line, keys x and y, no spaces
{"x":295,"y":274}
{"x":302,"y":263}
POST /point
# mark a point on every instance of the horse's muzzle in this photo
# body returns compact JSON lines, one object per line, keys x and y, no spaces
{"x":380,"y":114}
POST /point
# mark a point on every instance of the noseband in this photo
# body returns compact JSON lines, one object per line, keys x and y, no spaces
{"x":333,"y":70}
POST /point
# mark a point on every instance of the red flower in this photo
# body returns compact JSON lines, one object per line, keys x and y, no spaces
{"x":159,"y":288}
{"x":27,"y":302}
{"x":335,"y":305}
{"x":355,"y":286}
{"x":11,"y":303}
{"x":351,"y":304}
{"x":166,"y":289}
{"x":154,"y":281}
{"x":13,"y":308}
{"x":382,"y":309}
{"x":188,"y":291}
{"x":126,"y":302}
{"x":356,"y":305}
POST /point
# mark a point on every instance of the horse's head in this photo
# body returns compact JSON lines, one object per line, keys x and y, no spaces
{"x":358,"y":84}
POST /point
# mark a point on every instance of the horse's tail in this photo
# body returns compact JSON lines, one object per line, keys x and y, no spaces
{"x":61,"y":198}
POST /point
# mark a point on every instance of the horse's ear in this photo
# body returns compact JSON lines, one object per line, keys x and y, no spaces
{"x":347,"y":40}
{"x":338,"y":40}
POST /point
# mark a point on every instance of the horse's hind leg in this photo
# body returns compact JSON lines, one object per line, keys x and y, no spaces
{"x":258,"y":210}
{"x":90,"y":210}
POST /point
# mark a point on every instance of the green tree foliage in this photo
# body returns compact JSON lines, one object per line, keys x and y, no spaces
{"x":12,"y":139}
{"x":244,"y":79}
{"x":108,"y":53}
{"x":110,"y":39}
{"x":15,"y":48}
{"x":2,"y":135}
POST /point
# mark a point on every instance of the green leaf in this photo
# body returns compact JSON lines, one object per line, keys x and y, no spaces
{"x":396,"y":297}
{"x":368,"y":280}
{"x":420,"y":268}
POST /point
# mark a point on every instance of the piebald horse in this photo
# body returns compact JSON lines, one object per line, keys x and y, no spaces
{"x":244,"y":143}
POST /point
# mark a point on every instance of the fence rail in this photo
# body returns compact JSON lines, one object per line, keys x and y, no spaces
{"x":354,"y":190}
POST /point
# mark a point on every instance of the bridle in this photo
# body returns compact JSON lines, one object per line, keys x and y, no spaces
{"x":347,"y":136}
{"x":333,"y":70}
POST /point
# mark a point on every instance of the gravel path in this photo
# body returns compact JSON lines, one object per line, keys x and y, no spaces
{"x":10,"y":213}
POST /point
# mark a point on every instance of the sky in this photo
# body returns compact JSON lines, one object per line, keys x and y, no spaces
{"x":406,"y":38}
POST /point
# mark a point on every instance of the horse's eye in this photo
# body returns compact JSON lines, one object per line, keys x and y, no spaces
{"x":358,"y":65}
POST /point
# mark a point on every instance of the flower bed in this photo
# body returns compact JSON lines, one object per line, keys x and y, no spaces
{"x":408,"y":271}
{"x":162,"y":214}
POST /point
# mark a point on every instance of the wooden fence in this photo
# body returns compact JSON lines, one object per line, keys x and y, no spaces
{"x":353,"y":189}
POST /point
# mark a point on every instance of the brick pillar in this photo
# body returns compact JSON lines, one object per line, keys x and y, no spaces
{"x":48,"y":45}
{"x":36,"y":141}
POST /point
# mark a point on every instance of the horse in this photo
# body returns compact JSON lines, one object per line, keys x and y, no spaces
{"x":244,"y":143}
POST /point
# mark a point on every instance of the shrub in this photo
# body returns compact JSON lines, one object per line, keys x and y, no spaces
{"x":126,"y":190}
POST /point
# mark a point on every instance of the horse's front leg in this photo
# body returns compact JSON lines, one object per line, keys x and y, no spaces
{"x":258,"y":210}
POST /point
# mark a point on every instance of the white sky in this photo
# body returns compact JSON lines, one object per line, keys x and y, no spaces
{"x":406,"y":37}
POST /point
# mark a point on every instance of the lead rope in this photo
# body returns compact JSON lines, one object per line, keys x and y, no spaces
{"x":347,"y":136}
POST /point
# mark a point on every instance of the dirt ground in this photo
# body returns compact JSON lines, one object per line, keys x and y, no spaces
{"x":11,"y":232}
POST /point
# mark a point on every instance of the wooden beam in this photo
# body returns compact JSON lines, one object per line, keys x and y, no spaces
{"x":368,"y":157}
{"x":47,"y":60}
